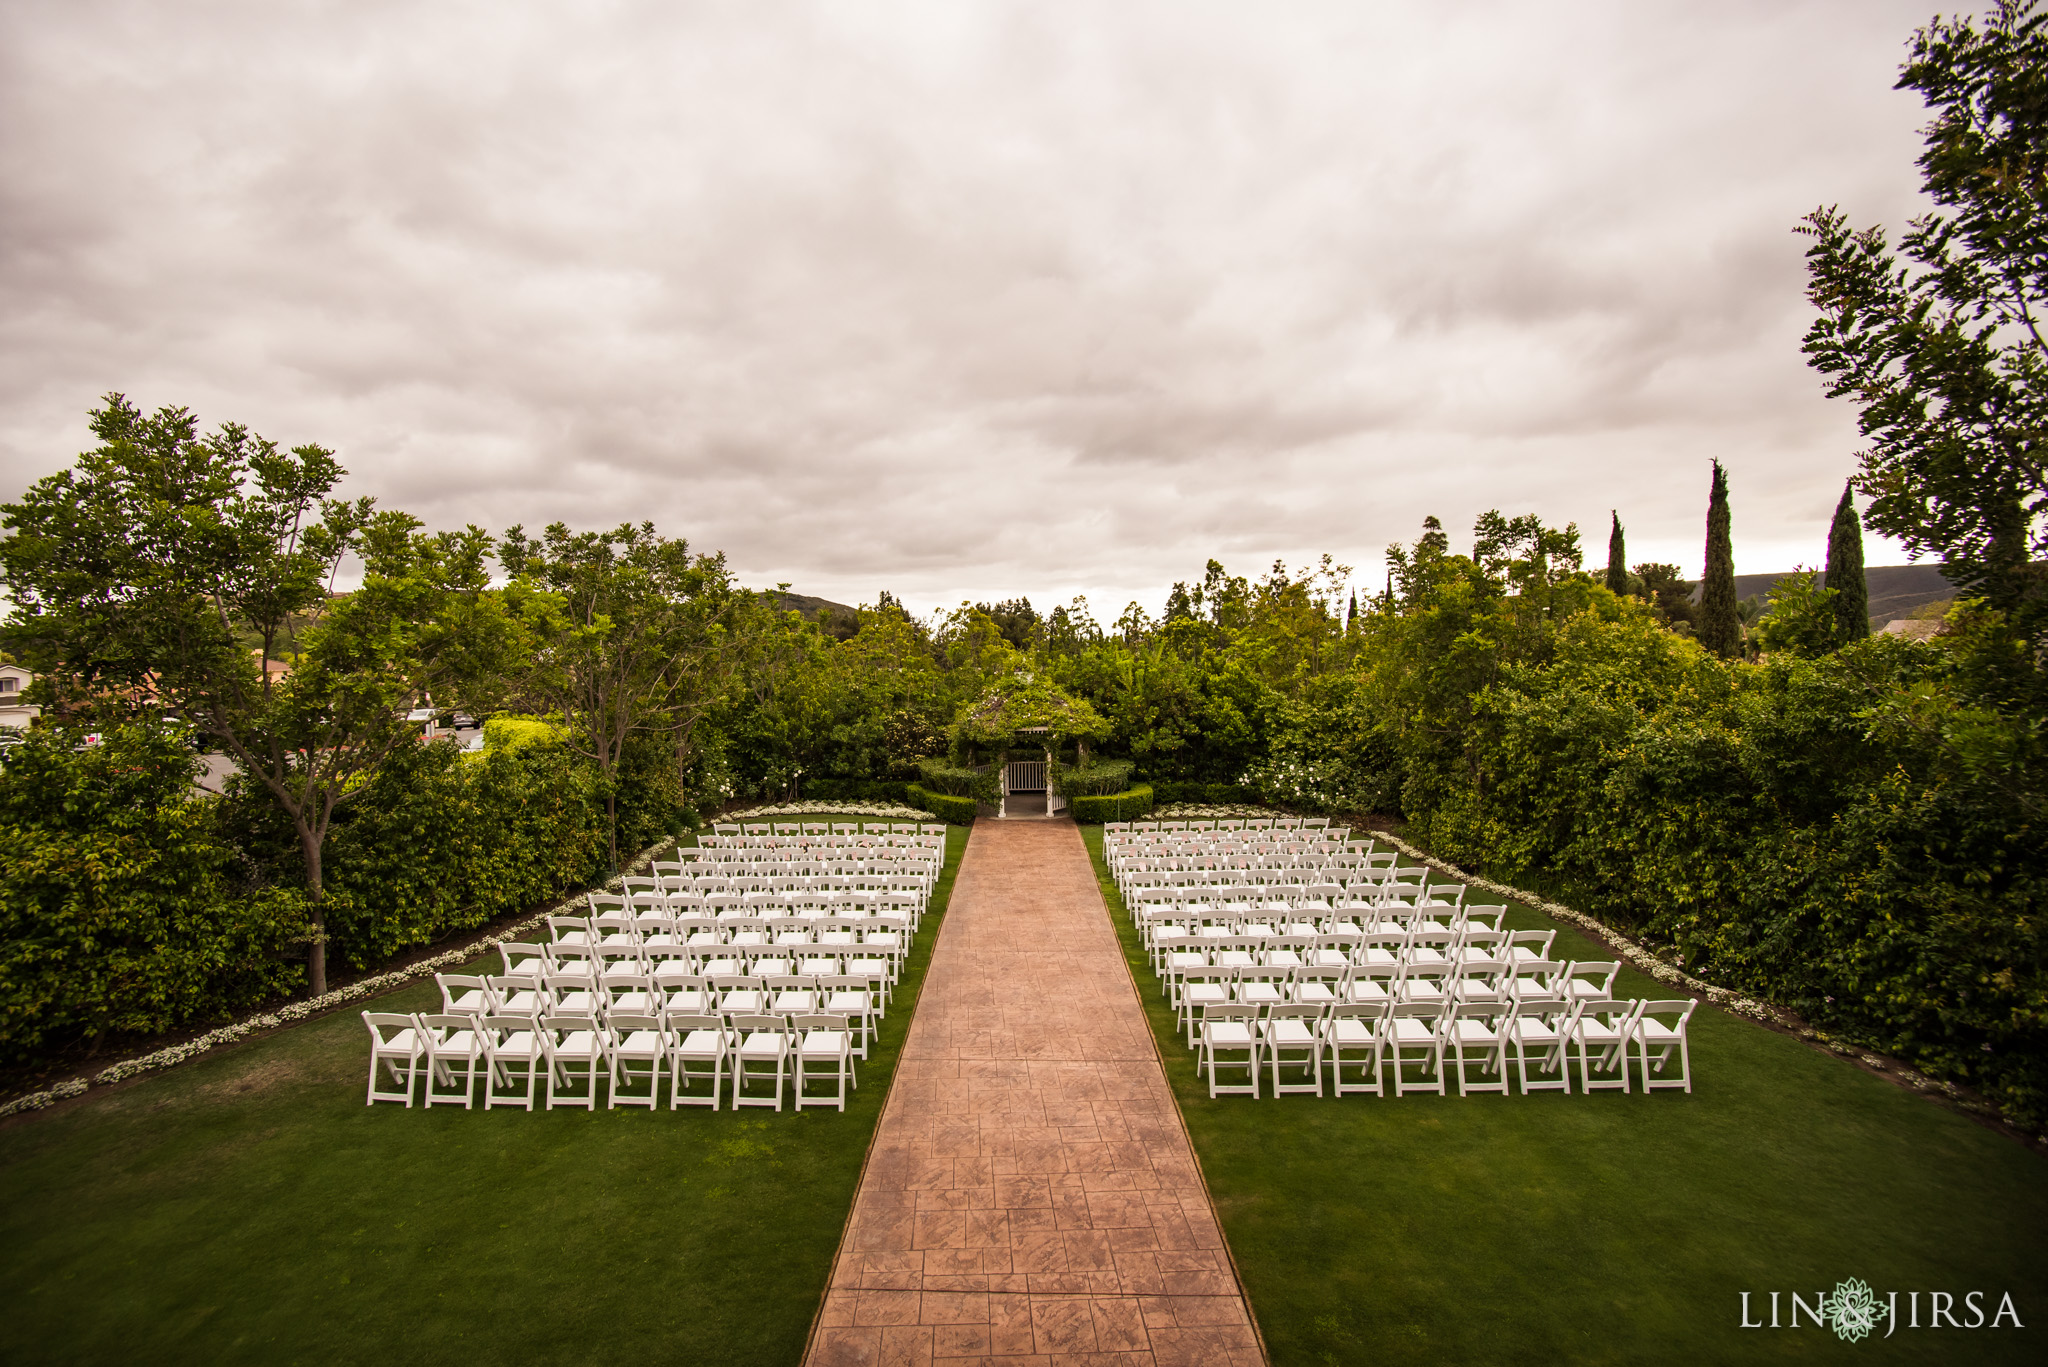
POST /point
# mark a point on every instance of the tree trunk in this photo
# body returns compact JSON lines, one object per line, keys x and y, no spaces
{"x":611,"y":809}
{"x":316,"y":954}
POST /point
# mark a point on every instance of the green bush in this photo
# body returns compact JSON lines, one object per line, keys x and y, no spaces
{"x":856,"y":790}
{"x":1170,"y":791}
{"x":516,"y":733}
{"x":1125,"y":806}
{"x":116,"y":914}
{"x":1093,"y":779}
{"x":434,"y":845}
{"x":956,"y":811}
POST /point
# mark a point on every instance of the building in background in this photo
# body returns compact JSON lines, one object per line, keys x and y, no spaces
{"x":14,"y":681}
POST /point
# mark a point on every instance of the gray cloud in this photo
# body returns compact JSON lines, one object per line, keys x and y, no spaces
{"x":960,"y":300}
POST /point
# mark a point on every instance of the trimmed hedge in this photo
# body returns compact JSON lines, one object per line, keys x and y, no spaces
{"x":954,"y":811}
{"x":1169,"y":791}
{"x":131,"y":904}
{"x":1114,"y":806}
{"x":117,"y":913}
{"x":857,"y":790}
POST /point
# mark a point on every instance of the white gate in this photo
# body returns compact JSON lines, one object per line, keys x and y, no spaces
{"x":1024,"y":776}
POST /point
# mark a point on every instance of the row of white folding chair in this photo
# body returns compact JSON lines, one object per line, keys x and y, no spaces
{"x":1419,"y":931}
{"x":616,"y":930}
{"x":675,"y":937}
{"x":511,"y":1055}
{"x":1362,"y":895}
{"x":867,"y":827}
{"x":1422,"y":941}
{"x":862,"y":990}
{"x":1323,"y":985}
{"x":1443,"y":1037}
{"x":1284,"y":823}
{"x":576,"y":964}
{"x":1159,"y":923}
{"x":1491,"y":951}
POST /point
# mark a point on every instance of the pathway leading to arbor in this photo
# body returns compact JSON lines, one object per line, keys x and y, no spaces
{"x":1031,"y":1191}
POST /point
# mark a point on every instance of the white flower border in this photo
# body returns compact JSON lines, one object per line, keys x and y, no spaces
{"x":312,"y":1006}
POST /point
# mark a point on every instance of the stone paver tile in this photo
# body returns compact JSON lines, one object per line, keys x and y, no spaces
{"x":1063,"y":1324}
{"x":843,"y":1347}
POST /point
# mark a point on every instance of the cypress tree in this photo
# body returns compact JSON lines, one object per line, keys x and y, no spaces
{"x":1719,"y":630}
{"x":1617,"y":559}
{"x":1845,"y":572}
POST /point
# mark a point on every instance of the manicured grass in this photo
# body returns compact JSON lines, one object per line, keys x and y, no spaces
{"x":1611,"y":1228}
{"x":248,"y":1208}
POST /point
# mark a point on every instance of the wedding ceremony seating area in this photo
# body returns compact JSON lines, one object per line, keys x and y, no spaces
{"x":755,"y":965}
{"x":1296,"y":958}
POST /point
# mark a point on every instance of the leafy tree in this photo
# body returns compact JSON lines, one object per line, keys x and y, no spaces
{"x":1617,"y":559}
{"x":1845,"y":571}
{"x":143,"y":576}
{"x":1943,"y":350}
{"x":1670,"y":592}
{"x":1803,"y":619}
{"x":1720,"y":627}
{"x":632,"y":633}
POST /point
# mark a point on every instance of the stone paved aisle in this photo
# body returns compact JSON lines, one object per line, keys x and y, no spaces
{"x":1031,"y":1194}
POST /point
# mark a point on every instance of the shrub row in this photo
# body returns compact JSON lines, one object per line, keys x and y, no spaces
{"x":857,"y":790}
{"x":1170,"y":791}
{"x":956,"y":811}
{"x":129,"y":905}
{"x":1123,"y":806}
{"x":1830,"y":834}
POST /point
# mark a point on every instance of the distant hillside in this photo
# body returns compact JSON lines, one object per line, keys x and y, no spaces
{"x":810,"y":607}
{"x":1895,"y":590}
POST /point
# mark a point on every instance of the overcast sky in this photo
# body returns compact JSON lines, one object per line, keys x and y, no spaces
{"x":964,"y":300}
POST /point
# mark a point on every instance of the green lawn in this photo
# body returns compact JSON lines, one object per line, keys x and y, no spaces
{"x":1611,"y":1228}
{"x":248,"y":1208}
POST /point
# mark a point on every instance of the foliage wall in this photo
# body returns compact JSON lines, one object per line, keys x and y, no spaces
{"x":130,"y":905}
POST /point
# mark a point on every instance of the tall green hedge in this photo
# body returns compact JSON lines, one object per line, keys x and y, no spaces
{"x":1833,"y":834}
{"x":955,"y":811}
{"x":856,"y":790}
{"x":130,"y":904}
{"x":117,"y":907}
{"x":1170,"y":791}
{"x":1123,"y":806}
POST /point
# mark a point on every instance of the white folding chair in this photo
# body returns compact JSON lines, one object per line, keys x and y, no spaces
{"x":1291,"y":1038}
{"x":513,"y":1047}
{"x":398,"y":1043}
{"x":636,"y":1039}
{"x":762,"y":1056}
{"x":1230,"y":1029}
{"x":1415,"y":1032}
{"x":1542,"y":1024}
{"x":824,"y":1053}
{"x":1605,"y":1028}
{"x":1591,"y":981}
{"x":703,"y":1040}
{"x":1477,"y":1033}
{"x":453,"y":1038}
{"x":1354,"y":1033}
{"x":576,"y":1048}
{"x":1661,"y":1026}
{"x":463,"y":995}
